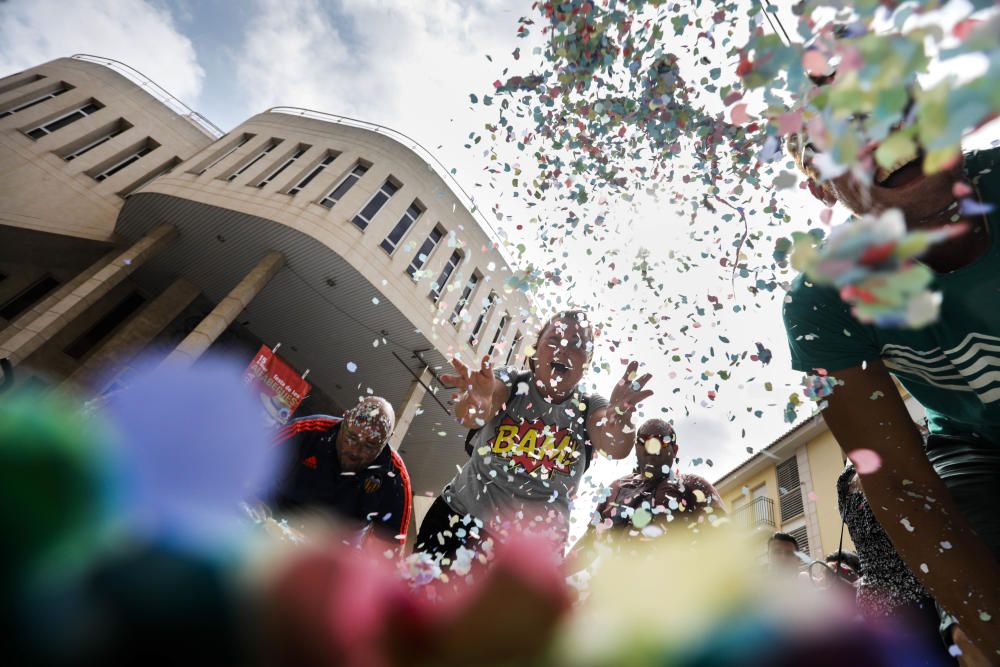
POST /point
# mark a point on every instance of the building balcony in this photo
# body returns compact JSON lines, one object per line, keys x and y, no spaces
{"x":758,"y":512}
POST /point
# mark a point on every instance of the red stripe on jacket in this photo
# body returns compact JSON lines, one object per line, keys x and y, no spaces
{"x":397,"y":463}
{"x":305,"y":424}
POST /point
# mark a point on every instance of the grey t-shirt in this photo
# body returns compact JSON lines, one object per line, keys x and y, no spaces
{"x":530,"y":458}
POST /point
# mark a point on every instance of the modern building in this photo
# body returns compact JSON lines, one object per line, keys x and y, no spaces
{"x":791,"y":486}
{"x":130,"y":224}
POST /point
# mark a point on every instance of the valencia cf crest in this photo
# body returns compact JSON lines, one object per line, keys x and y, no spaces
{"x":372,"y":484}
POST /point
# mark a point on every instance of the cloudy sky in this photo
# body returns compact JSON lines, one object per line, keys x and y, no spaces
{"x":411,"y":66}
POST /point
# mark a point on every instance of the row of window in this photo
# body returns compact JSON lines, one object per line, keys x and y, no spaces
{"x":93,"y":139}
{"x":363,"y":218}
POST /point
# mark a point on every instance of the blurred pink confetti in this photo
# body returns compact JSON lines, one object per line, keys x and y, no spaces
{"x":865,"y":461}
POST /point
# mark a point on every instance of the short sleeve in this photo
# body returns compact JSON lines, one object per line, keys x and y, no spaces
{"x":821,"y":331}
{"x":396,"y":503}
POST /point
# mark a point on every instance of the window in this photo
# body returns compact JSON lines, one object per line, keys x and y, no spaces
{"x":146,"y":178}
{"x":476,"y":330}
{"x":514,"y":347}
{"x":466,"y":293}
{"x":449,"y":268}
{"x":375,"y":204}
{"x":86,"y":341}
{"x":499,"y":335}
{"x":123,"y":160}
{"x":257,"y":157}
{"x":296,"y":154}
{"x":390,"y":242}
{"x":789,"y":491}
{"x":93,"y":141}
{"x":313,"y":173}
{"x":64,"y":119}
{"x":36,"y":98}
{"x":224,"y":153}
{"x":345,"y":184}
{"x":28,"y":297}
{"x":425,"y":251}
{"x":13,"y":82}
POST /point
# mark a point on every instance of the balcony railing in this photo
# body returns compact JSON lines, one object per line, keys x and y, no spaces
{"x":154,"y":89}
{"x":758,"y":512}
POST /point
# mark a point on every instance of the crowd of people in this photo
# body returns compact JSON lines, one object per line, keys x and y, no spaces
{"x":923,"y":520}
{"x":533,"y":434}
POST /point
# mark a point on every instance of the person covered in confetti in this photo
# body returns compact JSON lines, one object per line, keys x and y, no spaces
{"x":937,"y":502}
{"x":644,"y":503}
{"x":346,"y":468}
{"x":535,"y":433}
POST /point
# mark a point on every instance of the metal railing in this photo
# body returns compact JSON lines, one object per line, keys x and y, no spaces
{"x":423,"y":153}
{"x":758,"y":512}
{"x":154,"y":89}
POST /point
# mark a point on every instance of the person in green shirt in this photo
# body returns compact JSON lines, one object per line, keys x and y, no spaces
{"x":939,"y":504}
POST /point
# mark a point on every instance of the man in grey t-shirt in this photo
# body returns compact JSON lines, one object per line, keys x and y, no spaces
{"x":531,"y":448}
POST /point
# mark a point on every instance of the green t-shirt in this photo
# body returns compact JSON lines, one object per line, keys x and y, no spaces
{"x":952,"y":367}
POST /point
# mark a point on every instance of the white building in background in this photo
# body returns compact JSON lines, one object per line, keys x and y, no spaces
{"x":128,"y":222}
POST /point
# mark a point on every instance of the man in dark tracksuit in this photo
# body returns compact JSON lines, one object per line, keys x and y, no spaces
{"x":344,"y":466}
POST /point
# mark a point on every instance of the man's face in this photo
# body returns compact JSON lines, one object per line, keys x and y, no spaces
{"x":655,"y":447}
{"x":781,"y":555}
{"x":902,"y":184}
{"x":906,"y":187}
{"x":363,"y":434}
{"x":561,"y":358}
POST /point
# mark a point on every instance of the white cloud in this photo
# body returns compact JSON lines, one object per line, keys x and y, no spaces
{"x":409,"y":66}
{"x":133,"y":31}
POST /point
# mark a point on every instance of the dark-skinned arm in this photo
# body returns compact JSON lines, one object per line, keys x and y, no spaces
{"x":906,"y":491}
{"x":610,"y":428}
{"x":479,"y":394}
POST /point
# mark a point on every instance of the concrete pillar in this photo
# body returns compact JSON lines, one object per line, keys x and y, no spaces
{"x":39,"y":308}
{"x":408,"y":411}
{"x":134,"y":336}
{"x":199,"y":340}
{"x":64,"y":310}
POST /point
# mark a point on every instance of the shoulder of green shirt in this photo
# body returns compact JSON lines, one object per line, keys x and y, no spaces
{"x":986,"y":159}
{"x":821,"y":331}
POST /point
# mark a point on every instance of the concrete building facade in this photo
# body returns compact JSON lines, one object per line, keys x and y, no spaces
{"x":130,"y":225}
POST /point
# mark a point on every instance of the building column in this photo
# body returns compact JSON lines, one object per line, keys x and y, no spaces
{"x":209,"y":329}
{"x":134,"y":336}
{"x":65,"y":308}
{"x":408,"y":412}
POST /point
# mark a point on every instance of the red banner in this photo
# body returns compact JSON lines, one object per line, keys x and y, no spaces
{"x":278,"y":386}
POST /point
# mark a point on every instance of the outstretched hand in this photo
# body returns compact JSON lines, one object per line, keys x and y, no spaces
{"x":475,"y":390}
{"x":627,"y":394}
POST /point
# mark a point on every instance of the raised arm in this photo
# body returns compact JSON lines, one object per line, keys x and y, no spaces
{"x":479,"y":394}
{"x":610,"y":428}
{"x":912,"y":503}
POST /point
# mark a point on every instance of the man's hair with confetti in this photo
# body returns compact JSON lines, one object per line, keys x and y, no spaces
{"x":575,"y":316}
